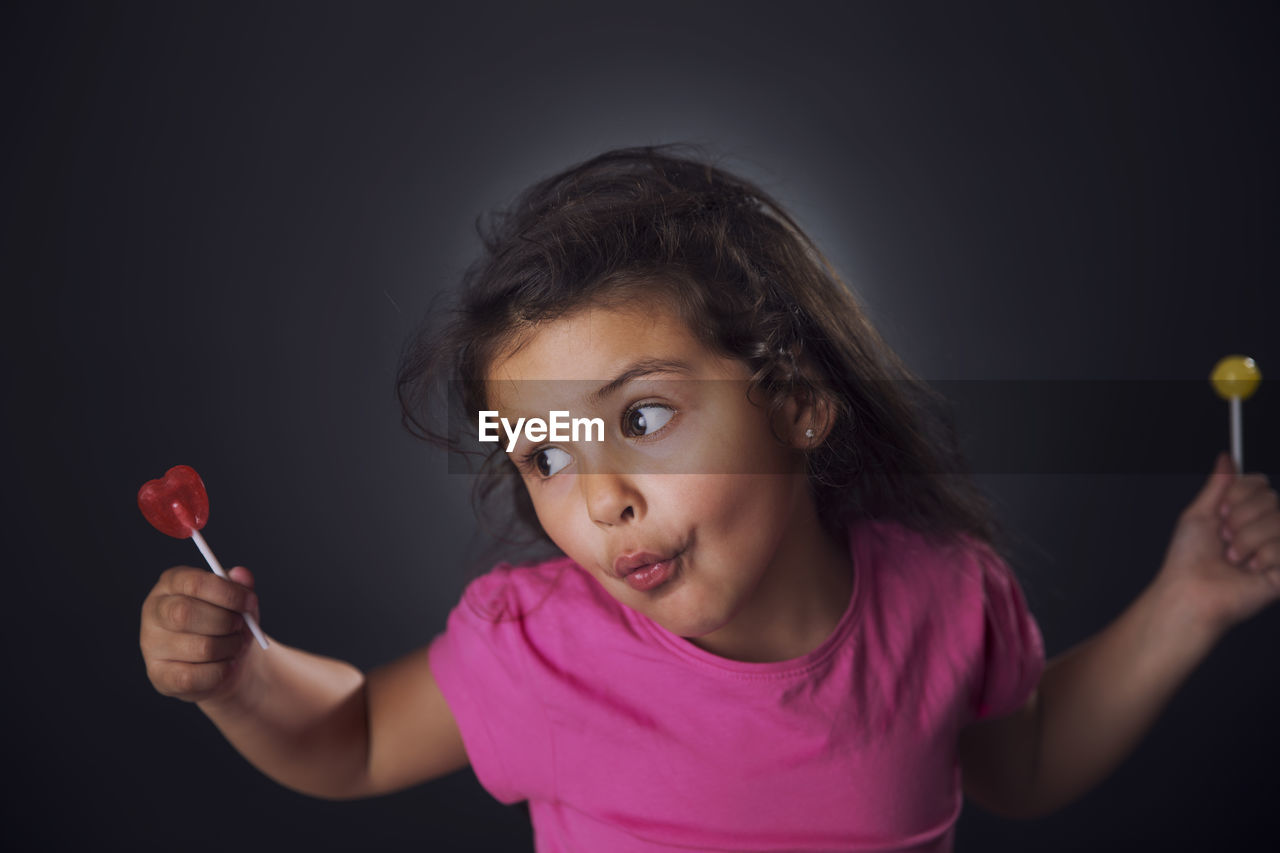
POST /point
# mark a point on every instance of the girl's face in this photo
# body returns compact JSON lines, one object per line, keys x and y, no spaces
{"x":689,"y":482}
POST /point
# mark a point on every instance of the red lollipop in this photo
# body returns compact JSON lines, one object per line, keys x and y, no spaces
{"x":178,"y":505}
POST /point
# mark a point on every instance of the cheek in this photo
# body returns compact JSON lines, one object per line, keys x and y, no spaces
{"x":737,"y":439}
{"x":554,"y":504}
{"x":758,"y":513}
{"x":749,"y":505}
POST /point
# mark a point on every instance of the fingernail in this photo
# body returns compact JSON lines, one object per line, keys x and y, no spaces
{"x":1223,"y":510}
{"x":1232,"y":555}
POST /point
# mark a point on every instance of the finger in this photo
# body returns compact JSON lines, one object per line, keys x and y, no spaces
{"x":198,"y":648}
{"x":1266,"y":558}
{"x":1215,"y":488}
{"x":242,"y":576}
{"x":1273,"y":576}
{"x":1259,"y":543}
{"x":1252,"y":507}
{"x":1240,"y":490}
{"x":187,"y":680}
{"x":186,"y":615}
{"x":197,"y":583}
{"x":1258,"y":536}
{"x":1264,"y":590}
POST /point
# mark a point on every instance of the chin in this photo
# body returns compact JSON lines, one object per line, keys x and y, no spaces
{"x":691,"y":627}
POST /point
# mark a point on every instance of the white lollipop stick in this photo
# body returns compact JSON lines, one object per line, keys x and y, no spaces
{"x":217,"y":570}
{"x":1235,"y":378}
{"x":1237,"y":436}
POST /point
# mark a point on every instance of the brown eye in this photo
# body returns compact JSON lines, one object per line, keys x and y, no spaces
{"x":646,"y":420}
{"x":550,"y":460}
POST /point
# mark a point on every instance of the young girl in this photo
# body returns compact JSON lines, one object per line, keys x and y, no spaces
{"x":780,"y":619}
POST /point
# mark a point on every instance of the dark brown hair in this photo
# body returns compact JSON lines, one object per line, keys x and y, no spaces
{"x":667,"y":222}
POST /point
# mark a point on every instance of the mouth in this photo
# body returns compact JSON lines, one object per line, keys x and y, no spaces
{"x":644,"y":570}
{"x":634,"y":562}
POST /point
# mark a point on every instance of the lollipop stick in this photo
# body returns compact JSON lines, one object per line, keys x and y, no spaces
{"x":217,"y":570}
{"x":1237,"y":436}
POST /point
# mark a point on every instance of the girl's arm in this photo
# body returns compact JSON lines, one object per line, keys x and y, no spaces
{"x":1092,"y":707}
{"x":1095,"y":702}
{"x":314,"y":724}
{"x":321,"y":727}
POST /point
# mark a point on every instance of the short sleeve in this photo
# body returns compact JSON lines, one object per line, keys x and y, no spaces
{"x":482,"y":663}
{"x":1013,"y":650}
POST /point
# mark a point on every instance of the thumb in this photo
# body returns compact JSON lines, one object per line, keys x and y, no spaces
{"x":242,"y":576}
{"x":1215,"y":489}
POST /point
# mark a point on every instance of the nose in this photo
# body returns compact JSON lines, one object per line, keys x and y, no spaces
{"x":611,"y":499}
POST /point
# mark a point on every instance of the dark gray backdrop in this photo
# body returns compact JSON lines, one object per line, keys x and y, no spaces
{"x":222,"y":220}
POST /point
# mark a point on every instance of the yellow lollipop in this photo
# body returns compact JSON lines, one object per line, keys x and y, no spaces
{"x":1235,"y":378}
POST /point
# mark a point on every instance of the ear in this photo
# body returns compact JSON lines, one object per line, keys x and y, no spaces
{"x":808,"y":418}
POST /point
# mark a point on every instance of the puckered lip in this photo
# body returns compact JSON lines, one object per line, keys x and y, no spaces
{"x":625,"y":564}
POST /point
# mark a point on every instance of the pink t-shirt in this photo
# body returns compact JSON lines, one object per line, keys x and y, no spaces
{"x":625,"y":737}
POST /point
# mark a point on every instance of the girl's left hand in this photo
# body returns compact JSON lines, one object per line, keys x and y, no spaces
{"x":1224,"y":559}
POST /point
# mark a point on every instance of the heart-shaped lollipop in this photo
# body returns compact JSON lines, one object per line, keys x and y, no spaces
{"x":178,"y":506}
{"x":177,"y":503}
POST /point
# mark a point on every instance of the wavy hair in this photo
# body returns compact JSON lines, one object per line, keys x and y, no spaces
{"x":665,"y":221}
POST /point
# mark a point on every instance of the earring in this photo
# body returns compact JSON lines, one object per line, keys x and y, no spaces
{"x":809,"y":433}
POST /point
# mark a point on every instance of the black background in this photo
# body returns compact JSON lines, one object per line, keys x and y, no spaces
{"x":223,"y":220}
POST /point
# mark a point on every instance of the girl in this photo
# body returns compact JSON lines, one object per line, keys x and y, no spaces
{"x":779,"y":618}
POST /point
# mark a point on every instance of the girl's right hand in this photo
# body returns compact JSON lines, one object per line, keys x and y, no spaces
{"x":193,"y":637}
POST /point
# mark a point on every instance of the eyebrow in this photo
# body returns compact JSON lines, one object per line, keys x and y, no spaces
{"x":636,"y":370}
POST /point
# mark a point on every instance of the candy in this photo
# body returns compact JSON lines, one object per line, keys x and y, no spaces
{"x":178,"y":505}
{"x":1235,"y":376}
